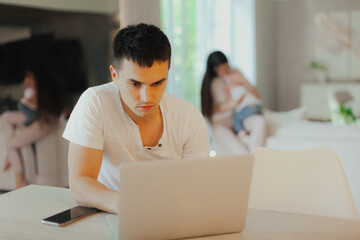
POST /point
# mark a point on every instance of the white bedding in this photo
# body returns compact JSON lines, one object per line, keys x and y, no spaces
{"x":322,"y":130}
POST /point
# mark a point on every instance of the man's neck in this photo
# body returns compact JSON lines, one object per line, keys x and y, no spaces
{"x":150,"y":127}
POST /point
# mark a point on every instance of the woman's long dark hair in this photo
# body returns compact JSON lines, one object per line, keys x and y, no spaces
{"x":50,"y":90}
{"x":214,"y":59}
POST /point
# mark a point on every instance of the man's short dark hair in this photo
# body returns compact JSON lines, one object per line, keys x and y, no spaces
{"x":143,"y":44}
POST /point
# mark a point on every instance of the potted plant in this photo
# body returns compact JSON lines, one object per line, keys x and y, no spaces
{"x":341,"y":108}
{"x":320,"y":71}
{"x":347,"y":114}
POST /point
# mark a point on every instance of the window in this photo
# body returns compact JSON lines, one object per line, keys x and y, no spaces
{"x":198,"y":27}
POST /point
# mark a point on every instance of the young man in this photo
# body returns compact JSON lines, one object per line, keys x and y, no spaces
{"x":130,"y":119}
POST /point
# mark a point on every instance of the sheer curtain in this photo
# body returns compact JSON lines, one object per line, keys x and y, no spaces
{"x":198,"y":27}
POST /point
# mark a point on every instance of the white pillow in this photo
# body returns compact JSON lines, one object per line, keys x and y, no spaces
{"x":274,"y":120}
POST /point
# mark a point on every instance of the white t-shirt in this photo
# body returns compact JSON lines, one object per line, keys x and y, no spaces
{"x":99,"y":121}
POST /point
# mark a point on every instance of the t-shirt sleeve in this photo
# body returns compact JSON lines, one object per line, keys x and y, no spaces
{"x":196,"y":133}
{"x":85,"y":125}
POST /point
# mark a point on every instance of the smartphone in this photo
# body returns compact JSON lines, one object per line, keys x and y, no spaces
{"x":69,"y":216}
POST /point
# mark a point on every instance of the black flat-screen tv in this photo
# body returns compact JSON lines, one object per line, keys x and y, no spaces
{"x":64,"y":56}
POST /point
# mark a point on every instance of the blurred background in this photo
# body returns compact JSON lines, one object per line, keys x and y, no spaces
{"x":303,"y":56}
{"x":280,"y":45}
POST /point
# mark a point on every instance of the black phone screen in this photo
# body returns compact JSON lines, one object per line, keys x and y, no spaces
{"x":69,"y":215}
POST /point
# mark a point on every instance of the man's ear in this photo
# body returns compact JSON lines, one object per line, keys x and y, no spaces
{"x":113,"y":73}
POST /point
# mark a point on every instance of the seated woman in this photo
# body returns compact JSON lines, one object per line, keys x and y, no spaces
{"x":38,"y":115}
{"x":232,"y":105}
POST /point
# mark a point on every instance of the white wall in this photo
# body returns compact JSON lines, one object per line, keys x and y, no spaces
{"x":294,"y":49}
{"x":140,"y":11}
{"x":284,"y":45}
{"x":265,"y":52}
{"x":242,"y":50}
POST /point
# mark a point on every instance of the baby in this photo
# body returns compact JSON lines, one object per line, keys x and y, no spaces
{"x":250,"y":104}
{"x":28,"y":104}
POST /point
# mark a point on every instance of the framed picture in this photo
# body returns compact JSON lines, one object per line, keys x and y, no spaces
{"x":337,"y":44}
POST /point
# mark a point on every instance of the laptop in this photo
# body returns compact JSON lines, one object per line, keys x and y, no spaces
{"x":178,"y":199}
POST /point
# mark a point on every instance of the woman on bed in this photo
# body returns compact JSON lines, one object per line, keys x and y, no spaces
{"x":38,"y":114}
{"x":232,"y":105}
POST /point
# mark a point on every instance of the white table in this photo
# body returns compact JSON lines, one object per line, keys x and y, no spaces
{"x":22,"y":210}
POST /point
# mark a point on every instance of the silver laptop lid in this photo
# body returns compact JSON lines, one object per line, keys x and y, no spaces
{"x":183,"y":198}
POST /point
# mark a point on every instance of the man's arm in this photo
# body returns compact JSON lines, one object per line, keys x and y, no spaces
{"x":84,"y":168}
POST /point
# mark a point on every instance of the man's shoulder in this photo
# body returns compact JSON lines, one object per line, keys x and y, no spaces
{"x":184,"y":119}
{"x":103,"y":88}
{"x":178,"y":109}
{"x":173,"y":103}
{"x":169,"y":97}
{"x":102,"y":91}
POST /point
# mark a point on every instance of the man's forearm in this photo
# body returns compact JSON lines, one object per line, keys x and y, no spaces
{"x":90,"y":192}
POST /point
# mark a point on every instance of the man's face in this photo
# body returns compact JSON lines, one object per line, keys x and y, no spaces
{"x":141,"y":88}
